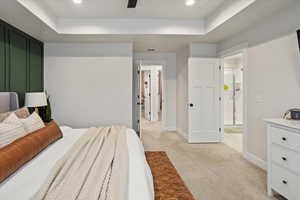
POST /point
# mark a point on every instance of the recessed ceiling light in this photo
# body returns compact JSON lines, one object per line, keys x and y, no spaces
{"x":77,"y":1}
{"x":190,"y":2}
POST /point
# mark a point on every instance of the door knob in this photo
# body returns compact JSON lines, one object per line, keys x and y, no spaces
{"x":191,"y":105}
{"x":284,"y":158}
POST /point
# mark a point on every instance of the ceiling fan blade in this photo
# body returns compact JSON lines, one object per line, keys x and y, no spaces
{"x":132,"y":3}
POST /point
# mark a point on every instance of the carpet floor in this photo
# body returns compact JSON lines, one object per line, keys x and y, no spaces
{"x":168,"y":185}
{"x":210,"y":171}
{"x":234,"y":130}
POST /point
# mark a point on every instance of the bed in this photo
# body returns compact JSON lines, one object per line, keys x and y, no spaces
{"x":25,"y":182}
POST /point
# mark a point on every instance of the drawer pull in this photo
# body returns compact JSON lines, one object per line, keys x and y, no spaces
{"x":284,"y":182}
{"x":284,"y":138}
{"x":284,"y":158}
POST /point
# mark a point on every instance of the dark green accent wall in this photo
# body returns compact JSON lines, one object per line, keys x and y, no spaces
{"x":21,"y":62}
{"x":2,"y":58}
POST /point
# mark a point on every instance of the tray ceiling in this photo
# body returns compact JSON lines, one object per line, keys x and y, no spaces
{"x":167,"y":17}
{"x":149,"y":9}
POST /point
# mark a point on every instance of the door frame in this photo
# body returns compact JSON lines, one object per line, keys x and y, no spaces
{"x":136,"y":76}
{"x":231,"y":52}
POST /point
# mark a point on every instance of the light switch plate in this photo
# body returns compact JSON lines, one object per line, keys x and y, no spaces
{"x":259,"y":99}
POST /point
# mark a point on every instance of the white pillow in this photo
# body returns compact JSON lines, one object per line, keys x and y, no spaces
{"x":13,"y":119}
{"x":32,"y":123}
{"x":10,"y":130}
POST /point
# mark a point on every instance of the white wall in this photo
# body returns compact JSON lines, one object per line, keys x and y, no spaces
{"x":182,"y":91}
{"x":169,"y":75}
{"x":203,"y":50}
{"x":272,"y":87}
{"x":89,"y":84}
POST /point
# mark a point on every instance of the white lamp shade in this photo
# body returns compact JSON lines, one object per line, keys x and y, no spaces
{"x":35,"y":99}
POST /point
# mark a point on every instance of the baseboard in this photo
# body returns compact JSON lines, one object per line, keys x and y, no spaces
{"x":256,"y":161}
{"x":182,"y":133}
{"x":169,"y":129}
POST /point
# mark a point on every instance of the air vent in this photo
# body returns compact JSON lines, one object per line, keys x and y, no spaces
{"x":132,"y":3}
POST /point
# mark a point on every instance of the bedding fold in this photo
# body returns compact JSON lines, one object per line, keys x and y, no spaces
{"x":95,"y":168}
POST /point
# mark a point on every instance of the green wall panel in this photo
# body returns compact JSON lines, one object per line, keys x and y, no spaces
{"x":2,"y":59}
{"x":17,"y":64}
{"x":35,"y":69}
{"x":21,"y":62}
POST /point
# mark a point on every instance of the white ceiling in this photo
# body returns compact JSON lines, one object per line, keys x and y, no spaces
{"x":14,"y":13}
{"x":150,"y":9}
{"x":158,"y":17}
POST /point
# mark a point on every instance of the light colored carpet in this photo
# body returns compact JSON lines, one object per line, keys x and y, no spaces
{"x":234,"y":141}
{"x":234,"y":130}
{"x":210,"y":171}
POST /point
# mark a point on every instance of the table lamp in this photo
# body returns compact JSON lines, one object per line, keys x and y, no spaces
{"x":35,"y":100}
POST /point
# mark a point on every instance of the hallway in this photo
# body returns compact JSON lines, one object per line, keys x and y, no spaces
{"x":233,"y":137}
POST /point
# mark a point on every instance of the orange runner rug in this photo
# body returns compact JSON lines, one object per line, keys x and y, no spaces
{"x":168,"y":185}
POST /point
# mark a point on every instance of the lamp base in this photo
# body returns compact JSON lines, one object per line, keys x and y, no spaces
{"x":36,"y":110}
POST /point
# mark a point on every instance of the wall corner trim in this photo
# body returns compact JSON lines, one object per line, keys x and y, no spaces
{"x":169,"y":128}
{"x":256,"y":160}
{"x":232,"y":50}
{"x":182,"y":133}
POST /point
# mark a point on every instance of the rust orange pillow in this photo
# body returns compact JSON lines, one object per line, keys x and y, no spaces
{"x":16,"y":154}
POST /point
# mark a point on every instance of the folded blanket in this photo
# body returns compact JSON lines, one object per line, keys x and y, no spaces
{"x":95,"y":168}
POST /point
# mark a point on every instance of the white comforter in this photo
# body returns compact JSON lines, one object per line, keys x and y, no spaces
{"x":26,"y":181}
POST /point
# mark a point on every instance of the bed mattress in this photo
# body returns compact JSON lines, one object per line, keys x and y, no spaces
{"x":24,"y":183}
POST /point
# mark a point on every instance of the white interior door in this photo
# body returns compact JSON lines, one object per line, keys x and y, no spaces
{"x":204,"y":112}
{"x":154,"y":95}
{"x":147,"y":93}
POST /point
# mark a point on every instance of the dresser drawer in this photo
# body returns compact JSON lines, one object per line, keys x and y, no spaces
{"x":285,"y":182}
{"x":286,"y":158}
{"x":285,"y":138}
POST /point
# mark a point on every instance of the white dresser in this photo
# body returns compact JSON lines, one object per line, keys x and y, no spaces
{"x":284,"y":158}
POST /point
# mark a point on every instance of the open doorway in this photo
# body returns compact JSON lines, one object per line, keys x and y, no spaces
{"x":151,"y":93}
{"x":233,"y":101}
